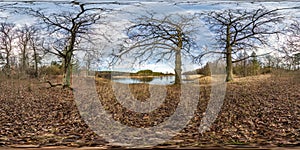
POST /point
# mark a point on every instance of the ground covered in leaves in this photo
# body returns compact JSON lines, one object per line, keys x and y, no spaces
{"x":257,"y":111}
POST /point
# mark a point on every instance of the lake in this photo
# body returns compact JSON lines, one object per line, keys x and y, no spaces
{"x":161,"y":80}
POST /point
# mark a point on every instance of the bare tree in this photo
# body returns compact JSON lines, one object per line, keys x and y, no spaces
{"x":293,"y":51}
{"x":25,"y":36}
{"x":160,"y":39}
{"x":31,"y":43}
{"x":238,"y":30}
{"x":294,"y":37}
{"x":88,"y":62}
{"x":66,"y":30}
{"x":7,"y":36}
{"x":36,"y":46}
{"x":290,"y":47}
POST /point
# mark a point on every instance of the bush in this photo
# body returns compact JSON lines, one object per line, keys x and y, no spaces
{"x":51,"y":70}
{"x":266,"y":70}
{"x":31,"y":72}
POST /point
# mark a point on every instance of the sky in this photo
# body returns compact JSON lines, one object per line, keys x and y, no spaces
{"x":119,"y":20}
{"x":190,"y":8}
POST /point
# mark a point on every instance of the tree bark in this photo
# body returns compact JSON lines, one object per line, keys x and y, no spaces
{"x":178,"y":62}
{"x":229,"y":69}
{"x":7,"y":65}
{"x":178,"y":69}
{"x":67,"y":70}
{"x":68,"y":62}
{"x":24,"y":60}
{"x":229,"y":66}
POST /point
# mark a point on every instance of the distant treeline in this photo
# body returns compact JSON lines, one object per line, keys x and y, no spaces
{"x":203,"y":71}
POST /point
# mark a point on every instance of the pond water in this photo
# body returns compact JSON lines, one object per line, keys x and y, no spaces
{"x":161,"y":80}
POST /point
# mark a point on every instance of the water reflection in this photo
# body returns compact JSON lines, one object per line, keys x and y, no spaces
{"x":145,"y":79}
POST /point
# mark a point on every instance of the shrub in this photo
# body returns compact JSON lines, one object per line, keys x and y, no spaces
{"x":51,"y":70}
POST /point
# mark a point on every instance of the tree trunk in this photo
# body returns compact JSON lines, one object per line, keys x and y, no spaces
{"x":67,"y":70}
{"x":178,"y":62}
{"x":229,"y":70}
{"x":245,"y":73}
{"x":229,"y":67}
{"x":178,"y":67}
{"x":36,"y":71}
{"x":68,"y":62}
{"x":7,"y":66}
{"x":24,"y":59}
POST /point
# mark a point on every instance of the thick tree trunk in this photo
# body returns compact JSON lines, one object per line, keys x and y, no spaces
{"x":229,"y":66}
{"x":68,"y":62}
{"x":68,"y":76}
{"x":178,"y":62}
{"x":178,"y":69}
{"x":67,"y":70}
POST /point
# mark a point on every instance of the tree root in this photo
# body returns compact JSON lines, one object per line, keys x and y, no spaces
{"x":55,"y":85}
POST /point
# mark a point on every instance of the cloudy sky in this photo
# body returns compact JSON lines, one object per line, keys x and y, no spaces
{"x":204,"y":36}
{"x":128,"y":10}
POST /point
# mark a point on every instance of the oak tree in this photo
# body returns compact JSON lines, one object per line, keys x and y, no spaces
{"x":66,"y":29}
{"x":7,"y":37}
{"x":238,"y":30}
{"x":157,"y":39}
